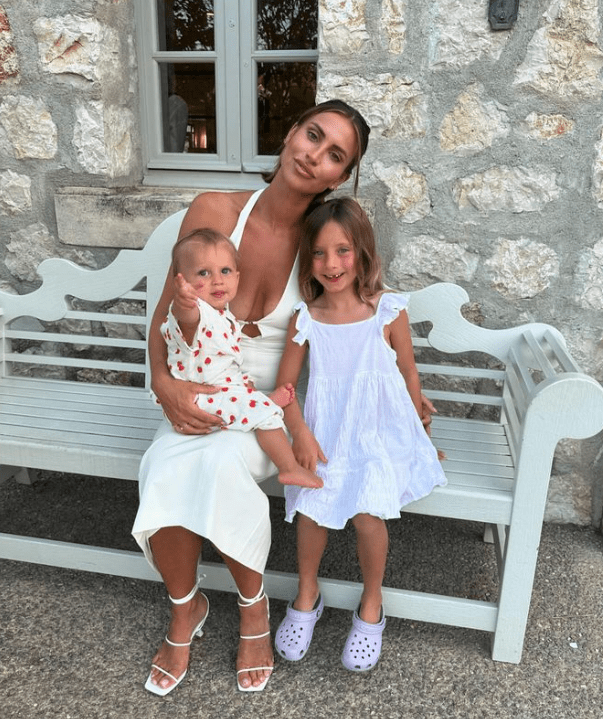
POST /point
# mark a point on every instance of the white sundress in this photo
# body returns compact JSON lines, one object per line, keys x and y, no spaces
{"x":208,"y":483}
{"x":379,"y":456}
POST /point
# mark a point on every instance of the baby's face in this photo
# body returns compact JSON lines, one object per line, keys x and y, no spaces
{"x":212,"y":271}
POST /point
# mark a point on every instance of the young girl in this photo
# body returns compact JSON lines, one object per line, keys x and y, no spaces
{"x":203,"y":340}
{"x":362,"y":433}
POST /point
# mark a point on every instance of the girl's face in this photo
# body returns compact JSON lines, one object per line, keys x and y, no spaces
{"x":334,"y":259}
{"x":317,"y":154}
{"x":212,"y":272}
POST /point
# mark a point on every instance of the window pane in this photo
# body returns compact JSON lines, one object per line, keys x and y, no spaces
{"x":188,"y":107}
{"x":185,"y":25}
{"x":285,"y":90}
{"x":287,"y":24}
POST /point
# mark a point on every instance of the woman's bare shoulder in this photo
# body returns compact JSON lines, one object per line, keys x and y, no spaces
{"x":217,"y":210}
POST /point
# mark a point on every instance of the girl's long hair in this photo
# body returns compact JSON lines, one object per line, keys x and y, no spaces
{"x":361,"y":129}
{"x":352,"y":219}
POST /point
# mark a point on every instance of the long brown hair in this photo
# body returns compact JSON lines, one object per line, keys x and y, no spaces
{"x":361,"y":129}
{"x":352,"y":219}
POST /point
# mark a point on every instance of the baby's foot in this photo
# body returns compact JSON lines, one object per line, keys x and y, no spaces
{"x":283,"y":395}
{"x":301,"y":477}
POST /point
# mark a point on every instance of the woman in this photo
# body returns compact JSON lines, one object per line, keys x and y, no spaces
{"x":194,"y":483}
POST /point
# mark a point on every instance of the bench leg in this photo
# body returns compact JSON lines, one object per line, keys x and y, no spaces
{"x":517,"y":581}
{"x":22,"y":475}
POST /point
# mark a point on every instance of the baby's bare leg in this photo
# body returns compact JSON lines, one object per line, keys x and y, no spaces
{"x":276,"y":445}
{"x":283,"y":395}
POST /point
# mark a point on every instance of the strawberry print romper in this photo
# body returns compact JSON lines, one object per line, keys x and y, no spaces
{"x":214,"y":357}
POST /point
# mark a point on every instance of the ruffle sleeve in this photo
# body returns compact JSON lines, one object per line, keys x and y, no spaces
{"x":303,"y":323}
{"x":390,"y":306}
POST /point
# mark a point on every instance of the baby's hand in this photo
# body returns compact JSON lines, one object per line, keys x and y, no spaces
{"x":185,"y":296}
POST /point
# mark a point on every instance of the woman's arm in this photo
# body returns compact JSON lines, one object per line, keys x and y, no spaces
{"x":306,"y":449}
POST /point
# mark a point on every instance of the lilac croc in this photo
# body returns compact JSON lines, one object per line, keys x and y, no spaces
{"x":363,"y":645}
{"x":294,"y":634}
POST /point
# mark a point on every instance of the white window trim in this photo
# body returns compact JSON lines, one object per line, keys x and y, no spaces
{"x":236,"y":163}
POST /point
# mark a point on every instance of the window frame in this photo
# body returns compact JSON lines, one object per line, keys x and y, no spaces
{"x":237,"y":162}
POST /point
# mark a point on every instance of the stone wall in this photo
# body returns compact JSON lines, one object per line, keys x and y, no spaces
{"x":485,"y":165}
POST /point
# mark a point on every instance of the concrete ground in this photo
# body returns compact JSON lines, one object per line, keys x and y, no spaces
{"x":75,"y":645}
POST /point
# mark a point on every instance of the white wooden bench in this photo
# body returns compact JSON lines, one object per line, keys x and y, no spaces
{"x":517,"y":398}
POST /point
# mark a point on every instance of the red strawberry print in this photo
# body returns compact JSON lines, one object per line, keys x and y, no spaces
{"x":199,"y":369}
{"x":252,"y":403}
{"x":267,"y":404}
{"x":208,"y":360}
{"x":228,"y":379}
{"x":208,"y":333}
{"x":249,"y":390}
{"x":210,"y":400}
{"x":180,"y":366}
{"x":244,"y":420}
{"x":218,"y":411}
{"x":233,"y":399}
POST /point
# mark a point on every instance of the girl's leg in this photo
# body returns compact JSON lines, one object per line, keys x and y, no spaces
{"x":254,"y":620}
{"x":176,"y":553}
{"x":372,"y":542}
{"x":311,"y":544}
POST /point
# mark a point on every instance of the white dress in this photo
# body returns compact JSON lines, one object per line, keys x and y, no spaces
{"x":208,"y":483}
{"x":214,"y":357}
{"x":357,"y":405}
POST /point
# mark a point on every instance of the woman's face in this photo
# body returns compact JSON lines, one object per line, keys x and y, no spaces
{"x":318,"y":152}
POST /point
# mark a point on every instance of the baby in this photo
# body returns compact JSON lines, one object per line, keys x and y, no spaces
{"x":203,"y":338}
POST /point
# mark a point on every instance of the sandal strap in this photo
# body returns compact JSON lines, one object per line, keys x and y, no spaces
{"x":188,"y":597}
{"x":254,"y":636}
{"x":245,"y":602}
{"x":164,"y":671}
{"x":254,"y":669}
{"x":176,"y":644}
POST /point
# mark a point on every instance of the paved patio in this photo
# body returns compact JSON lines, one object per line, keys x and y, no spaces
{"x":76,"y":645}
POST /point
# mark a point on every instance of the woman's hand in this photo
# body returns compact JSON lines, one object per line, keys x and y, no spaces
{"x":177,"y":400}
{"x":306,"y":449}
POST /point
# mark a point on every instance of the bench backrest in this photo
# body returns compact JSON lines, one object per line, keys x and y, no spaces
{"x":84,"y":325}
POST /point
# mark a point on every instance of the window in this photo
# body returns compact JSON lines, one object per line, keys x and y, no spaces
{"x":223,"y":80}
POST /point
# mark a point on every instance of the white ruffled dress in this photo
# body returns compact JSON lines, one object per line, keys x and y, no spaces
{"x":379,"y":455}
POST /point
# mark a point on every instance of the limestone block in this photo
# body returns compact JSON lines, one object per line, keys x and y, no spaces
{"x":420,"y":261}
{"x":563,"y":59}
{"x":547,"y":127}
{"x":9,"y":62}
{"x":585,"y":342}
{"x":342,"y":27}
{"x":78,"y":46}
{"x":393,"y":25}
{"x":29,"y":127}
{"x":569,"y":500}
{"x":589,"y":278}
{"x":99,"y":217}
{"x":472,"y":125}
{"x":510,"y":189}
{"x":15,"y":193}
{"x":102,"y":137}
{"x":522,"y":268}
{"x":394,"y":107}
{"x":33,"y":244}
{"x":598,"y":171}
{"x":408,"y":195}
{"x":125,"y":331}
{"x":463,"y":35}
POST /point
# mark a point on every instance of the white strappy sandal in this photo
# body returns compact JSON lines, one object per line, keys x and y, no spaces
{"x":244,"y":602}
{"x":197,"y":632}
